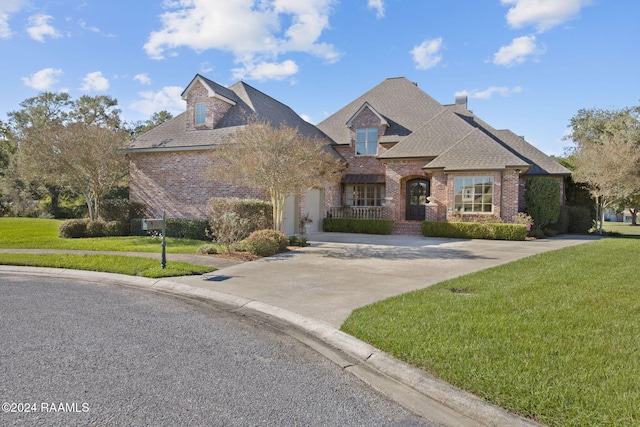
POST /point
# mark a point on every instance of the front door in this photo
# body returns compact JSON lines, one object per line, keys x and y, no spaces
{"x":417,"y":193}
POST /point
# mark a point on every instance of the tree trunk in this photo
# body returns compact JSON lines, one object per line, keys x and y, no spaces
{"x":634,"y":216}
{"x":54,"y":193}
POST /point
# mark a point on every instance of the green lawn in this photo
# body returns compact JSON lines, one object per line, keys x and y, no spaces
{"x":133,"y":266}
{"x":624,"y":228}
{"x":31,"y":233}
{"x":554,"y":337}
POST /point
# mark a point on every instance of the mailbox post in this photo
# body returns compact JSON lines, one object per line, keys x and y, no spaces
{"x":156,"y":224}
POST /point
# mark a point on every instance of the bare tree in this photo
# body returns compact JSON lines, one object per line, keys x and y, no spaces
{"x":606,"y":155}
{"x":91,"y":162}
{"x":278,"y":161}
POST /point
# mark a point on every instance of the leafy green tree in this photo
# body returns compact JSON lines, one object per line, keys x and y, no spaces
{"x":156,"y":119}
{"x":31,"y":128}
{"x":96,"y":110}
{"x":279,"y":161}
{"x":72,"y":146}
{"x":632,"y":203}
{"x":606,"y":155}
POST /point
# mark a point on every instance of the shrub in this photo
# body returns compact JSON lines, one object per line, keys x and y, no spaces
{"x":562,"y":226}
{"x":117,"y":228}
{"x":536,"y":233}
{"x":542,"y":199}
{"x":474,"y":230}
{"x":298,"y":241}
{"x":96,"y":228}
{"x":135,"y":227}
{"x":482,"y":219}
{"x":74,"y":228}
{"x":352,"y":225}
{"x":267,"y":242}
{"x":209,"y":249}
{"x":232,"y":220}
{"x":187,"y":228}
{"x":121,"y":210}
{"x":580,"y":219}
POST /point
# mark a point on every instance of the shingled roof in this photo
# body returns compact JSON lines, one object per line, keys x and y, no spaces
{"x":249,"y":102}
{"x":448,"y":137}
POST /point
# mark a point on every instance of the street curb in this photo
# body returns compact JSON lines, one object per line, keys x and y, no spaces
{"x":410,"y":387}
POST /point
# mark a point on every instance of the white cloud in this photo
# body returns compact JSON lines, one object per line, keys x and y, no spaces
{"x":267,"y":71}
{"x":142,"y":78}
{"x":7,"y":8}
{"x":39,"y":27}
{"x":83,"y":24}
{"x":378,"y":6}
{"x":95,"y":82}
{"x":426,"y":55}
{"x":256,"y":32}
{"x":490,"y":91}
{"x":43,"y":80}
{"x":168,"y":98}
{"x":542,"y":14}
{"x":517,"y":52}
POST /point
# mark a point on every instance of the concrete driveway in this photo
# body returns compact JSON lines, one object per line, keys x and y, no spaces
{"x":340,"y":272}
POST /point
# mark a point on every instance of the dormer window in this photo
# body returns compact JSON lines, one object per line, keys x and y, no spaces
{"x":201,"y":113}
{"x":367,"y":142}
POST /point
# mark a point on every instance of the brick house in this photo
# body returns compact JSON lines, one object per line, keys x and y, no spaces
{"x":408,"y":157}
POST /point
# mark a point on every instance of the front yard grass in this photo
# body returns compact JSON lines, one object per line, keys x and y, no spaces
{"x":32,"y":233}
{"x":553,"y":337}
{"x":133,"y":266}
{"x":624,"y":228}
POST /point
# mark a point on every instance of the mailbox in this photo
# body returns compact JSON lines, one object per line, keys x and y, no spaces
{"x":150,"y":224}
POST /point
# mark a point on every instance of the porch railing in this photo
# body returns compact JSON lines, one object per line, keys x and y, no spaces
{"x":359,"y":212}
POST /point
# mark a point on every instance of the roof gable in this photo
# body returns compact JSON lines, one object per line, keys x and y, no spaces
{"x":248,"y":103}
{"x":541,"y":164}
{"x":405,"y":107}
{"x":214,"y":89}
{"x":366,"y":105}
{"x":476,"y":151}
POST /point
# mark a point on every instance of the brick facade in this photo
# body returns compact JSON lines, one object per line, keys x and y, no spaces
{"x":215,"y":108}
{"x":175,"y":182}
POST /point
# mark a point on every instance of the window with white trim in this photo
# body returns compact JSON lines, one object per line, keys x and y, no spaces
{"x":473,"y":194}
{"x":367,"y":142}
{"x":201,"y":113}
{"x":364,"y":194}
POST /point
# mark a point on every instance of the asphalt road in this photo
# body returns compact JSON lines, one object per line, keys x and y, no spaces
{"x":74,"y":353}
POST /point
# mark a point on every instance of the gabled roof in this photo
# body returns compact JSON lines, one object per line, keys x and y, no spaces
{"x":383,"y":121}
{"x":398,"y":100}
{"x":476,"y":151}
{"x":449,"y":135}
{"x":215,"y":90}
{"x":247,"y":102}
{"x":541,"y":164}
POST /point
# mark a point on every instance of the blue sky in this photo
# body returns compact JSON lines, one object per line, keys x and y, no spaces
{"x":526,"y":65}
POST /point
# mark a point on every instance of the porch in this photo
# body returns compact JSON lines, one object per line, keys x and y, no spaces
{"x":356,"y":212}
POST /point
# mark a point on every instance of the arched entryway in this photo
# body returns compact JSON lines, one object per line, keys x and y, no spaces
{"x":417,"y":192}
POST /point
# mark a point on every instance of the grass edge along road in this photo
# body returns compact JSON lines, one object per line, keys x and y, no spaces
{"x":554,"y":337}
{"x":33,"y":233}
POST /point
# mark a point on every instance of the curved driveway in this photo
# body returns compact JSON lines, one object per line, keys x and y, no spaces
{"x":340,"y":272}
{"x":89,"y":354}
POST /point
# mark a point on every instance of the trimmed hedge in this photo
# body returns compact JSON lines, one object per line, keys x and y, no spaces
{"x":352,"y":225}
{"x":474,"y":230}
{"x":182,"y":228}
